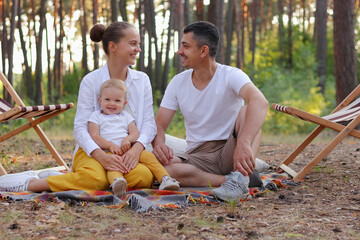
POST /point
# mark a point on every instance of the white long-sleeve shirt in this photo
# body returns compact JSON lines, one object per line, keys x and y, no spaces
{"x":139,"y":98}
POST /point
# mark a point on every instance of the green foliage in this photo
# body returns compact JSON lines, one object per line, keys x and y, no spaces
{"x":296,"y":87}
{"x":177,"y":125}
{"x":72,"y":81}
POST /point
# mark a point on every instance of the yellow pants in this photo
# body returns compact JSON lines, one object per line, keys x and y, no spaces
{"x":88,"y":174}
{"x":149,"y":160}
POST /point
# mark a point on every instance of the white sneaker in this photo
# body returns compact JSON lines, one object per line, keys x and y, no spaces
{"x":119,"y":187}
{"x":17,"y":182}
{"x":235,"y":187}
{"x":48,"y":173}
{"x":168,"y":183}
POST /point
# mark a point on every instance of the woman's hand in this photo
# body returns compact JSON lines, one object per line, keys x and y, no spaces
{"x":110,"y":162}
{"x":131,"y":157}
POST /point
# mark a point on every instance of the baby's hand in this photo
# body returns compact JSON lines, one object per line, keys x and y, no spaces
{"x":125,"y":145}
{"x":115,"y":149}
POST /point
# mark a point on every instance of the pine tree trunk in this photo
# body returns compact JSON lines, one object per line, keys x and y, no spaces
{"x":244,"y":10}
{"x":321,"y":19}
{"x":84,"y":30}
{"x":261,"y":16}
{"x":10,"y":47}
{"x":186,"y":12}
{"x":179,"y":8}
{"x":148,"y":26}
{"x":114,"y":10}
{"x":38,"y":72}
{"x":344,"y":49}
{"x":50,"y":81}
{"x":4,"y":36}
{"x":229,"y":30}
{"x":290,"y":41}
{"x":122,"y":6}
{"x":27,"y":74}
{"x":167,"y":61}
{"x":238,"y":31}
{"x":141,"y":62}
{"x":199,"y":10}
{"x":60,"y":50}
{"x":281,"y":30}
{"x":95,"y":45}
{"x":253,"y":32}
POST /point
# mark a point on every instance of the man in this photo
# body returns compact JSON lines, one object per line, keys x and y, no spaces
{"x":222,"y":134}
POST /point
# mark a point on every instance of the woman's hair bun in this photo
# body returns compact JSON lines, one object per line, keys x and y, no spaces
{"x":96,"y":32}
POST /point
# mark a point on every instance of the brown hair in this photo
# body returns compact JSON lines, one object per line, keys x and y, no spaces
{"x":113,"y":33}
{"x":116,"y":83}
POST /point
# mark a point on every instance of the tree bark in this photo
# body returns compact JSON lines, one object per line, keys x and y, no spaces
{"x":216,"y":16}
{"x":61,"y":50}
{"x":186,"y":12}
{"x":290,"y":41}
{"x":49,"y":80}
{"x":321,"y":39}
{"x":253,"y":32}
{"x":261,"y":16}
{"x":38,"y":72}
{"x":4,"y":39}
{"x":10,"y":47}
{"x":95,"y":45}
{"x":149,"y":20}
{"x":244,"y":13}
{"x":229,"y":30}
{"x":344,"y":49}
{"x":27,"y":74}
{"x":269,"y":13}
{"x":239,"y":29}
{"x":281,"y":30}
{"x":84,"y":30}
{"x":169,"y":34}
{"x":179,"y":8}
{"x":141,"y":65}
{"x":114,"y":10}
{"x":122,"y":6}
{"x":199,"y":10}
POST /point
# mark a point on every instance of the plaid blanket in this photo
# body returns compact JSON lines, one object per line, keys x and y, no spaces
{"x":142,"y":200}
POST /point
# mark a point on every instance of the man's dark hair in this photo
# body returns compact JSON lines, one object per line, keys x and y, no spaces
{"x":205,"y":33}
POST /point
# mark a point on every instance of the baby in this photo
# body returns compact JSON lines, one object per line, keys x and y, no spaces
{"x":114,"y":130}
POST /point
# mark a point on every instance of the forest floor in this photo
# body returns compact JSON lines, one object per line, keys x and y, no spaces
{"x":326,"y":205}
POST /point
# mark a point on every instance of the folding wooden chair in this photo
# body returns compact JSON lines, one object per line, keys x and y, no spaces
{"x":347,"y":112}
{"x":42,"y":113}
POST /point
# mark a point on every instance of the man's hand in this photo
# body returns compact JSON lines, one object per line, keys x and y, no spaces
{"x":163,"y":153}
{"x":244,"y":159}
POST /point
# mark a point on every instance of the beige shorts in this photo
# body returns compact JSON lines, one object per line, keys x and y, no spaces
{"x":213,"y":156}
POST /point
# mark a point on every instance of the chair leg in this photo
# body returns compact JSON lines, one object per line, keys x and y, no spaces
{"x":2,"y":170}
{"x":302,"y":146}
{"x":51,"y":147}
{"x":327,"y":149}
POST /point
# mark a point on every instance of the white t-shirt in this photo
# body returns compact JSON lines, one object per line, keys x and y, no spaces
{"x":210,"y":113}
{"x":139,"y":99}
{"x":114,"y":127}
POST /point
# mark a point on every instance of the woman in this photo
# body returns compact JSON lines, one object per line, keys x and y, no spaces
{"x":121,"y":44}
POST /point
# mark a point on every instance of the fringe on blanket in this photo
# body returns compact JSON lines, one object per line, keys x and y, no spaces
{"x":141,"y":204}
